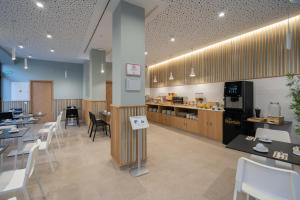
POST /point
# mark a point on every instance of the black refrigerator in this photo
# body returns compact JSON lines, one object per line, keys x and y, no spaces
{"x":238,"y":106}
{"x":0,"y":87}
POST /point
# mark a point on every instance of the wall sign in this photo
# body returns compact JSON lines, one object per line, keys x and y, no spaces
{"x":133,"y":69}
{"x":139,"y":122}
{"x":133,"y":84}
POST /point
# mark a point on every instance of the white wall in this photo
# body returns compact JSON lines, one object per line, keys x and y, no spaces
{"x":265,"y":91}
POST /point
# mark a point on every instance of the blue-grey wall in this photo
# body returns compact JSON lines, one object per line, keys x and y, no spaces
{"x":94,"y":82}
{"x":64,"y":88}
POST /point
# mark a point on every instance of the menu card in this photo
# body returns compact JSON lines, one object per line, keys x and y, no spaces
{"x":280,"y":155}
{"x":250,"y":138}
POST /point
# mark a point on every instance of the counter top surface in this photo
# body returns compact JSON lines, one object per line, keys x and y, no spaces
{"x":182,"y":106}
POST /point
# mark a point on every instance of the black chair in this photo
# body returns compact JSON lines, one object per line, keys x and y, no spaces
{"x":95,"y":124}
{"x":72,"y":113}
{"x":6,"y":115}
{"x":91,"y":124}
{"x":107,"y":124}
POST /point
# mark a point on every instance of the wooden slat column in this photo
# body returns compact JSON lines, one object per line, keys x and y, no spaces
{"x":128,"y":46}
{"x":123,"y":138}
{"x":91,"y":106}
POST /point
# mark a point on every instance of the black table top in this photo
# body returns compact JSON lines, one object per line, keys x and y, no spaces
{"x":240,"y":143}
{"x":3,"y":148}
{"x":7,"y":135}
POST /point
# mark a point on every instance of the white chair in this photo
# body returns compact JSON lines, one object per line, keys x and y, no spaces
{"x":276,"y":135}
{"x":58,"y":130}
{"x":16,"y":180}
{"x":44,"y":146}
{"x":45,"y":132}
{"x":266,"y":183}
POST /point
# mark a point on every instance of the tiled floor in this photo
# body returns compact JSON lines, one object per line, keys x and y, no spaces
{"x":181,"y":166}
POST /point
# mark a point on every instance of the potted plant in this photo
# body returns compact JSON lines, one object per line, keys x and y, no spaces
{"x":294,"y":87}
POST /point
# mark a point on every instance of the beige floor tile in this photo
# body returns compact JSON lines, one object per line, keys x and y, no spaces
{"x":182,"y":166}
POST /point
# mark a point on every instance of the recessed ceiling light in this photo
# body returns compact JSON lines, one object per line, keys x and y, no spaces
{"x":146,"y":52}
{"x":172,"y":39}
{"x":221,"y":14}
{"x":52,"y":50}
{"x":39,"y":4}
{"x":49,"y":36}
{"x":29,"y":56}
{"x":21,"y":46}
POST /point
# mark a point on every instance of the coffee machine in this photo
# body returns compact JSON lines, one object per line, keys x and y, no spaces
{"x":238,"y":106}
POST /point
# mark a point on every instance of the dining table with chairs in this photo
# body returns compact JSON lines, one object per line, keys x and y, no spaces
{"x":11,"y":132}
{"x":269,"y":171}
{"x":275,"y":150}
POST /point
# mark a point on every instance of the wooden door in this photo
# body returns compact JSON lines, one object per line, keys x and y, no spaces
{"x":41,"y":94}
{"x":108,"y":94}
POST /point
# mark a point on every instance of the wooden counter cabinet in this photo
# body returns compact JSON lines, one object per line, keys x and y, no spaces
{"x":211,"y":124}
{"x":208,"y":123}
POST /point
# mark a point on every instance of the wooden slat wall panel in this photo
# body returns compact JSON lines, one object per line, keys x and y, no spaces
{"x":91,"y":106}
{"x":61,"y":104}
{"x":123,"y":139}
{"x":258,"y":54}
{"x":58,"y":106}
{"x":7,"y":105}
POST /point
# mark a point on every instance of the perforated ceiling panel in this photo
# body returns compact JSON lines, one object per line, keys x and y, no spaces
{"x":23,"y":23}
{"x":195,"y":23}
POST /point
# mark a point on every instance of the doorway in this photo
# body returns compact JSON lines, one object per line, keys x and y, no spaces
{"x":108,"y":95}
{"x":41,"y":95}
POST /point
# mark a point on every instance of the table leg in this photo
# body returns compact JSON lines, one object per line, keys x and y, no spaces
{"x":19,"y":146}
{"x":1,"y":161}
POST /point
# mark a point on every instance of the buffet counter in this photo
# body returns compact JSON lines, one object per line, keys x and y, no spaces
{"x":199,"y":121}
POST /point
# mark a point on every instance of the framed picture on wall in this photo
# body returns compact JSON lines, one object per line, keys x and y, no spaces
{"x":133,"y":69}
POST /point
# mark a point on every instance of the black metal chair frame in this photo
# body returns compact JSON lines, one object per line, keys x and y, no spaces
{"x":95,"y":124}
{"x":72,"y":113}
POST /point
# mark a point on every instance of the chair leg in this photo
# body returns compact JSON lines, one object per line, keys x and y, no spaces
{"x":66,"y":121}
{"x":95,"y":133}
{"x":234,"y":194}
{"x":50,"y":161}
{"x":23,"y":158}
{"x":40,"y":185}
{"x":89,"y":127}
{"x":57,"y":139}
{"x":247,"y":197}
{"x":109,"y":130}
{"x":92,"y":130}
{"x":25,"y":194}
{"x":1,"y":161}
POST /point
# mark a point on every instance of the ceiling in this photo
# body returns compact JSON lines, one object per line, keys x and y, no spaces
{"x":23,"y":23}
{"x":193,"y":23}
